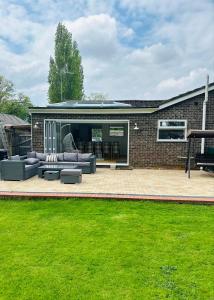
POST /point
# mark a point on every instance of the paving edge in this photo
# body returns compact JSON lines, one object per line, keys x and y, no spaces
{"x":134,"y":197}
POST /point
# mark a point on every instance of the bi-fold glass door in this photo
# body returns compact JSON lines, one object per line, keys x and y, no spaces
{"x":107,"y":139}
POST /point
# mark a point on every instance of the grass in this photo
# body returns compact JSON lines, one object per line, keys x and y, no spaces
{"x":85,"y":249}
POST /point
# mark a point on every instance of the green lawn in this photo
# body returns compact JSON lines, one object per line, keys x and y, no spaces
{"x":89,"y":249}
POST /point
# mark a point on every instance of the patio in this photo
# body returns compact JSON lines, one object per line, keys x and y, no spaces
{"x":137,"y":182}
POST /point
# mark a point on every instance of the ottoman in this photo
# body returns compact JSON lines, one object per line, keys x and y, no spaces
{"x":71,"y":176}
{"x":51,"y":175}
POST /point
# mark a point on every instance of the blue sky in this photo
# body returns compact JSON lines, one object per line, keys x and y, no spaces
{"x":131,"y":49}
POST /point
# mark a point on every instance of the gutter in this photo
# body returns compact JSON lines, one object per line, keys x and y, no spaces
{"x":92,"y":111}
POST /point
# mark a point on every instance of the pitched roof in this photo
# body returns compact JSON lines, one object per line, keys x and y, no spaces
{"x":190,"y":92}
{"x":11,"y":120}
{"x":186,"y":96}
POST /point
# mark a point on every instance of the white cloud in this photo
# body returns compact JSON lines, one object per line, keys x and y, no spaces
{"x":190,"y":81}
{"x":97,"y":35}
{"x":176,"y":56}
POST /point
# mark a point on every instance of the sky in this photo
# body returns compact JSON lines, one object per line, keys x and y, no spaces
{"x":131,"y":49}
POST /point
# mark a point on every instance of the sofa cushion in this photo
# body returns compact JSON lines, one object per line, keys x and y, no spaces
{"x":71,"y":172}
{"x":31,"y":154}
{"x":15,"y":157}
{"x":84,"y":156}
{"x":31,"y":161}
{"x":51,"y":158}
{"x":70,"y":156}
{"x":29,"y":167}
{"x":41,"y":156}
{"x":60,"y":156}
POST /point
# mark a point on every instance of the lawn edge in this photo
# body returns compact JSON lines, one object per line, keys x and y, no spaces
{"x":111,"y":196}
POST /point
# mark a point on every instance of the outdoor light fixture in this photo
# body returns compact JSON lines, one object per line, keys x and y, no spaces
{"x":37,"y":125}
{"x":136,"y":127}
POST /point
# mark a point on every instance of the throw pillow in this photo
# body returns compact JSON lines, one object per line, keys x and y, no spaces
{"x":15,"y":157}
{"x":31,"y":161}
{"x":51,"y":158}
{"x":84,"y":156}
{"x":41,"y":156}
{"x":31,"y":154}
{"x":60,"y":157}
{"x":70,"y":156}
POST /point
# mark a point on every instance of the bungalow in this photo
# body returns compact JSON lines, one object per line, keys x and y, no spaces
{"x":138,"y":133}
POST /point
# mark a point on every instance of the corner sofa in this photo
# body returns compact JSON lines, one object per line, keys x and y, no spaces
{"x":22,"y":168}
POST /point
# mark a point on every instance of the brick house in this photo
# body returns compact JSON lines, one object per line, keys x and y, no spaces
{"x":136,"y":133}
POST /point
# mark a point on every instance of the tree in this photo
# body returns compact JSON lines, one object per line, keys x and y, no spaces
{"x":6,"y":89}
{"x":65,"y":69}
{"x":11,"y":102}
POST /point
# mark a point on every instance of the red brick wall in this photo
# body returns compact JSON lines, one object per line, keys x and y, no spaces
{"x":144,"y":150}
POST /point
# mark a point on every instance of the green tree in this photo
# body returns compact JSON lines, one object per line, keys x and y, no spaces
{"x":6,"y":90}
{"x":65,"y":69}
{"x":11,"y":102}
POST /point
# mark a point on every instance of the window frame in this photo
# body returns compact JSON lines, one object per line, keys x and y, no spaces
{"x":113,"y":135}
{"x":173,"y":128}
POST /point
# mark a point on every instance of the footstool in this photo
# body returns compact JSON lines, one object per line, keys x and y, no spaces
{"x":71,"y":176}
{"x":51,"y":175}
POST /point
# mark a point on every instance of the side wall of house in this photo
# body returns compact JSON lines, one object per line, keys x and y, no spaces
{"x":144,"y":150}
{"x":148,"y":152}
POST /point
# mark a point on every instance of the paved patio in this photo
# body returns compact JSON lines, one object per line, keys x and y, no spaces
{"x":136,"y":182}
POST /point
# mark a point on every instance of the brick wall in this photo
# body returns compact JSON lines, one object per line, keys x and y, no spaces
{"x":144,"y":150}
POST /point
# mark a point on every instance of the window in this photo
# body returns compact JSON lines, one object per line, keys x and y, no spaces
{"x":97,"y":135}
{"x":116,"y":131}
{"x":172,"y":130}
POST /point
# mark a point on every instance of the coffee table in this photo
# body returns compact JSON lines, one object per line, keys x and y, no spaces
{"x":56,"y":167}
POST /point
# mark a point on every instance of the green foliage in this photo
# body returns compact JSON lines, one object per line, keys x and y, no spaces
{"x":6,"y":89}
{"x":90,"y":249}
{"x":11,"y":102}
{"x":65,"y":69}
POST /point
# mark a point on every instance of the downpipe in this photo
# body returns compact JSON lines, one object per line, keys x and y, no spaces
{"x":204,"y":114}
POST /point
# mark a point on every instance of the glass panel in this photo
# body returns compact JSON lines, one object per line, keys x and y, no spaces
{"x":166,"y":123}
{"x":97,"y":135}
{"x":50,"y":136}
{"x":116,"y":131}
{"x":171,"y":134}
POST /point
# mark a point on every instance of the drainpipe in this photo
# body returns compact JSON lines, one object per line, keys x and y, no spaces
{"x":204,"y":114}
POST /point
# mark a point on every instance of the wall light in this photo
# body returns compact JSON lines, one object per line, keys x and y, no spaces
{"x":136,"y":127}
{"x":37,"y":125}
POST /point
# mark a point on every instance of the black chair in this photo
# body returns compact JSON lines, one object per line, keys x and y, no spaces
{"x":115,"y":150}
{"x":98,"y":150}
{"x":81,"y":146}
{"x":89,"y":147}
{"x":107,"y":150}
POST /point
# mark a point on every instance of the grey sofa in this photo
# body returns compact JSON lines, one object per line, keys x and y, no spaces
{"x":22,"y":168}
{"x":84,"y":161}
{"x":17,"y":169}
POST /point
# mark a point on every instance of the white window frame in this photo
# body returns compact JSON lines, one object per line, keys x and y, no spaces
{"x":172,"y":127}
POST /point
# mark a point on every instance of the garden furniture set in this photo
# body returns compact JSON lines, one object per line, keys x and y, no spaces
{"x":69,"y":167}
